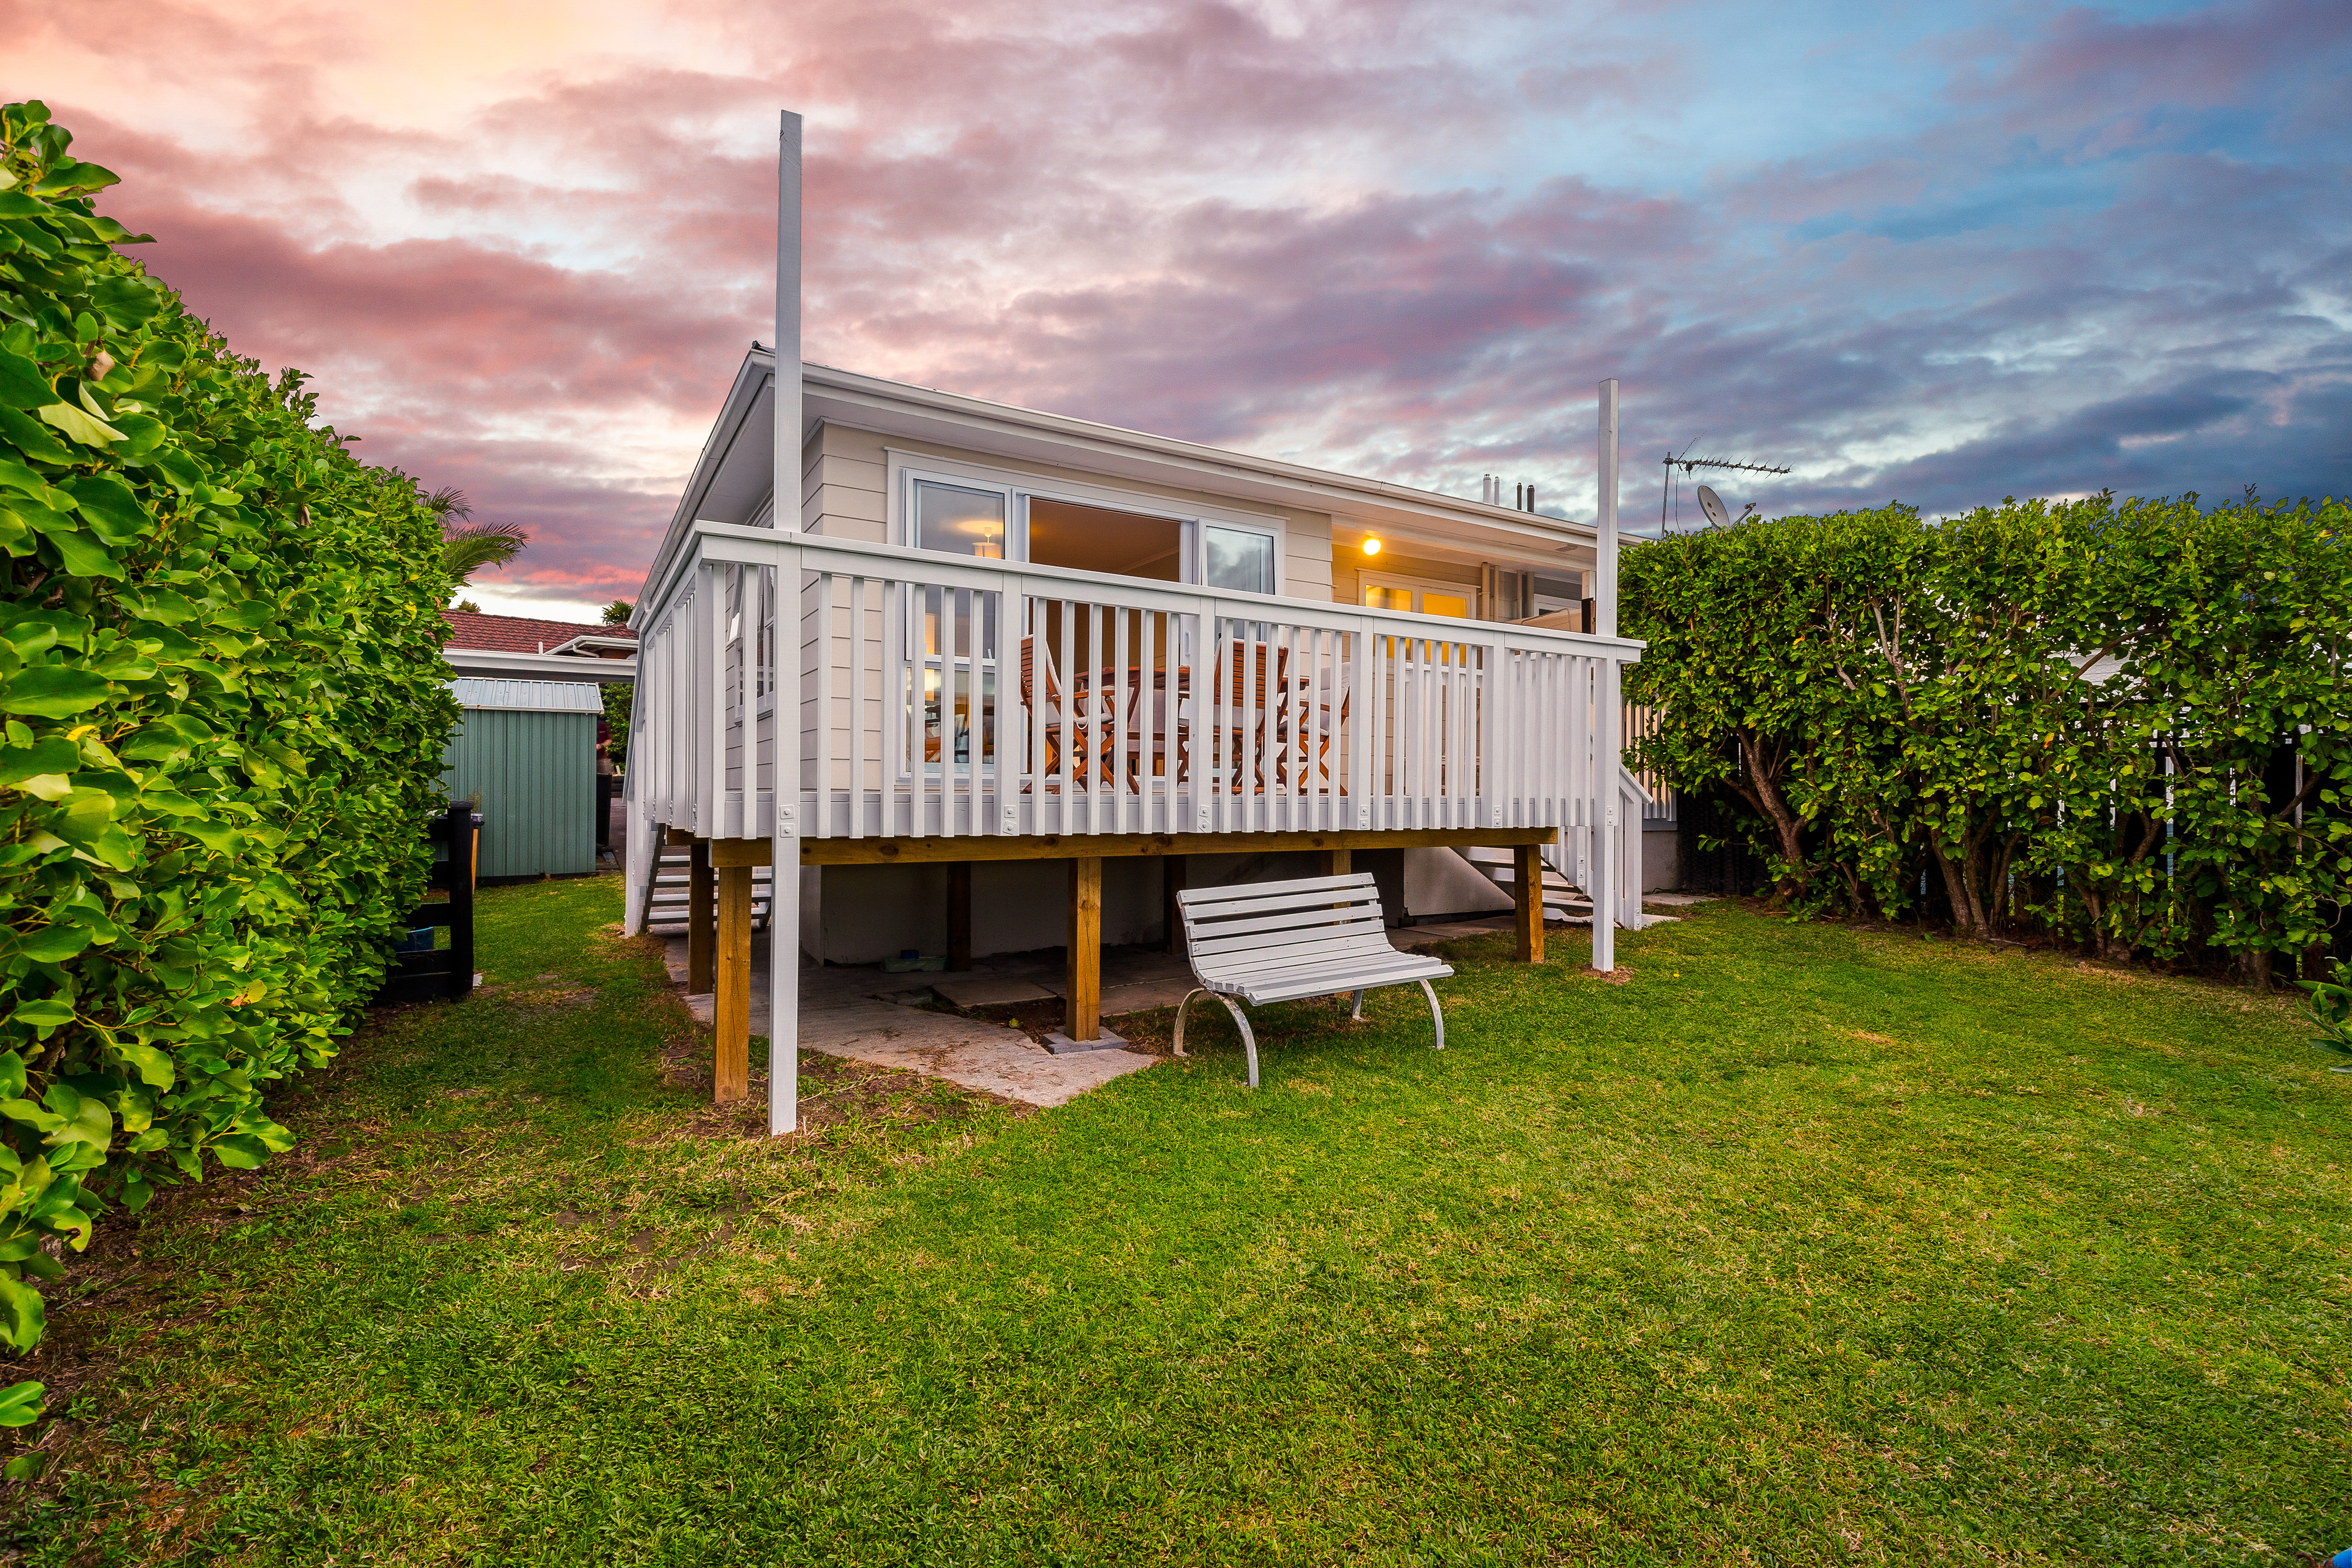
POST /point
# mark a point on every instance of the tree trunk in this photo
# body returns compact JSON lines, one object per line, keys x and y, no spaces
{"x":1955,"y":884}
{"x":1764,"y":794}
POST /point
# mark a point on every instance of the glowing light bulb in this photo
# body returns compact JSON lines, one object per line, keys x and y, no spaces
{"x":1372,"y":546}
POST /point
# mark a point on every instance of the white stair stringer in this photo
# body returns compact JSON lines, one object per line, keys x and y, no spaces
{"x":1562,"y":898}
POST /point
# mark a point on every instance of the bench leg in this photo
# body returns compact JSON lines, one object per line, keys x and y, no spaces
{"x":1358,"y":1016}
{"x":1436,"y":1014}
{"x":1180,"y":1009}
{"x":1249,"y":1041}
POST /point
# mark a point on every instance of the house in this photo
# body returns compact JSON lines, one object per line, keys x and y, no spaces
{"x":527,"y":749}
{"x":1014,"y":677}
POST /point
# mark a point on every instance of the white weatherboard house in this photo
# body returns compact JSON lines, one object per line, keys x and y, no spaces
{"x":1019,"y":676}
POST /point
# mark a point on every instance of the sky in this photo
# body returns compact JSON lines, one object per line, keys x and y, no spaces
{"x":1939,"y":255}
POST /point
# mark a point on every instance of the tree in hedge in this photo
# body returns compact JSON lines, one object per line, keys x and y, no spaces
{"x":2129,"y":725}
{"x":1728,"y":719}
{"x":225,"y":716}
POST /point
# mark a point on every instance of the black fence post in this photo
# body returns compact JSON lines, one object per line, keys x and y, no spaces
{"x":458,"y":879}
{"x":441,"y":974}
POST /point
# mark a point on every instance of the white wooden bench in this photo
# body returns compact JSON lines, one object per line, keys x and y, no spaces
{"x":1280,"y":942}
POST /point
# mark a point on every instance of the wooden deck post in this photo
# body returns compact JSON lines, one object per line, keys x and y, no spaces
{"x":960,"y":916}
{"x":1527,"y":904}
{"x":1338,"y":862}
{"x":1171,"y":882}
{"x":701,"y":920}
{"x":731,"y":1074}
{"x":1083,"y":1008}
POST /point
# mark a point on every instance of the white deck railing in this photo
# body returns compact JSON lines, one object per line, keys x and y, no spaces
{"x":938,"y":696}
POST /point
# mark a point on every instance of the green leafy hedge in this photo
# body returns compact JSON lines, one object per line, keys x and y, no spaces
{"x":2130,"y":725}
{"x":221,"y":679}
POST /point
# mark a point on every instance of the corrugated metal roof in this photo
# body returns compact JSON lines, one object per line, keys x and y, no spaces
{"x":528,"y":696}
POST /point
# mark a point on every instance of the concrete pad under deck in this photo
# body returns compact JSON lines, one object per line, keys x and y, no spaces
{"x":841,"y":1016}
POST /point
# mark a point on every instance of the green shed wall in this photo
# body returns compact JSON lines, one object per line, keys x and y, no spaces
{"x":535,"y":774}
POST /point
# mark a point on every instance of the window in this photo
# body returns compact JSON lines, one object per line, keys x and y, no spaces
{"x":960,"y":521}
{"x":1101,"y":539}
{"x":1458,"y":600}
{"x":995,"y":515}
{"x":1241,"y":559}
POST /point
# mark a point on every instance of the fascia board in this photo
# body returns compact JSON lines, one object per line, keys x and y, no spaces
{"x":494,"y":662}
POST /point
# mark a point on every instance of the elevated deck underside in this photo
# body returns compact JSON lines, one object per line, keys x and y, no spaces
{"x":905,"y":814}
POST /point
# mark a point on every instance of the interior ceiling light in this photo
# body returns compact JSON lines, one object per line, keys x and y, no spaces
{"x":1372,"y":546}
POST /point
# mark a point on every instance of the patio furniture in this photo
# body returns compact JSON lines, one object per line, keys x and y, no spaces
{"x":1278,"y":941}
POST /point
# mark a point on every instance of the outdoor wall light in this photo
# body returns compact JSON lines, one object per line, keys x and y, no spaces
{"x":1372,"y":546}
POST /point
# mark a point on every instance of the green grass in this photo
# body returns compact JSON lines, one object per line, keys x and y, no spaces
{"x":1806,"y":1244}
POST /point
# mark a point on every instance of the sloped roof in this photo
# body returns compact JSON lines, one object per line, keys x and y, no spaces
{"x":521,"y":634}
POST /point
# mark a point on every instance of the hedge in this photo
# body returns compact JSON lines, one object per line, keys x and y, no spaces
{"x":225,"y":709}
{"x":2126,"y":725}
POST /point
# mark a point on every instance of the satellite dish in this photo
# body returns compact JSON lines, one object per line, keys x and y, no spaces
{"x":1712,"y":504}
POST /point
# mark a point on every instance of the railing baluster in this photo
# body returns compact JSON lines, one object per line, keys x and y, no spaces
{"x":962,"y":664}
{"x":856,"y":715}
{"x":1069,"y":705}
{"x":1033,"y":658}
{"x":823,"y":767}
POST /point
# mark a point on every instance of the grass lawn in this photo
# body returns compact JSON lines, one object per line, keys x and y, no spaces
{"x":1804,"y":1244}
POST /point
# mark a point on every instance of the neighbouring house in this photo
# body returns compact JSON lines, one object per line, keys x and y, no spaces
{"x":527,"y":751}
{"x":1037,"y":673}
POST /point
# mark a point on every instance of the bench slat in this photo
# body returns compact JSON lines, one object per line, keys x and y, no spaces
{"x":1207,"y":942}
{"x":1330,"y":961}
{"x":1243,"y":960}
{"x":1277,"y":990}
{"x":1193,"y":898}
{"x":1285,"y":919}
{"x":1290,"y":903}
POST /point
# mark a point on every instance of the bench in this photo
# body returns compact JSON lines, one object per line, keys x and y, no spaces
{"x":1280,"y":941}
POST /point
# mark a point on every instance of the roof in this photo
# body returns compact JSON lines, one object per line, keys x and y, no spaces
{"x":528,"y":696}
{"x":521,"y":633}
{"x":733,"y":479}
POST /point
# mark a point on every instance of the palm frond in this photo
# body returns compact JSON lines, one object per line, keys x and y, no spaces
{"x":467,"y":548}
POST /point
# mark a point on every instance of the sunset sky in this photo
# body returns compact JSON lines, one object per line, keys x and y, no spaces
{"x":1936,"y":254}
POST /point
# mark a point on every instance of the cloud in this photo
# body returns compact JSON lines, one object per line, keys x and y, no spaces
{"x":522,"y":248}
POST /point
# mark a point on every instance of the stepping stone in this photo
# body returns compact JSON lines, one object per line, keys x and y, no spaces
{"x":991,"y":990}
{"x":1142,"y":995}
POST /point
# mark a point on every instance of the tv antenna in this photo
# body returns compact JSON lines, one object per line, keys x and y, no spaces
{"x":1709,"y":502}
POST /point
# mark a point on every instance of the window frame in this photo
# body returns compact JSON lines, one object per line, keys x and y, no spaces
{"x":1019,"y":487}
{"x":1417,"y":587}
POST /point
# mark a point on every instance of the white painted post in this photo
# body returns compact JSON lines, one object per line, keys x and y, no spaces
{"x":1604,"y":571}
{"x":788,"y":328}
{"x":1606,"y":745}
{"x":784,"y":854}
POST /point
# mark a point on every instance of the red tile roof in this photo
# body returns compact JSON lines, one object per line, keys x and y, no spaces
{"x":521,"y":634}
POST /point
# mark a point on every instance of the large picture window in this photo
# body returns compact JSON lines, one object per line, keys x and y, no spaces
{"x":997,"y":517}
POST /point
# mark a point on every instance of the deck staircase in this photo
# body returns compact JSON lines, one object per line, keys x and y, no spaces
{"x":1562,"y":898}
{"x":666,"y":912}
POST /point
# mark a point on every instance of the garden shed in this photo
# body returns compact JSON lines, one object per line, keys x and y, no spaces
{"x":525,"y":753}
